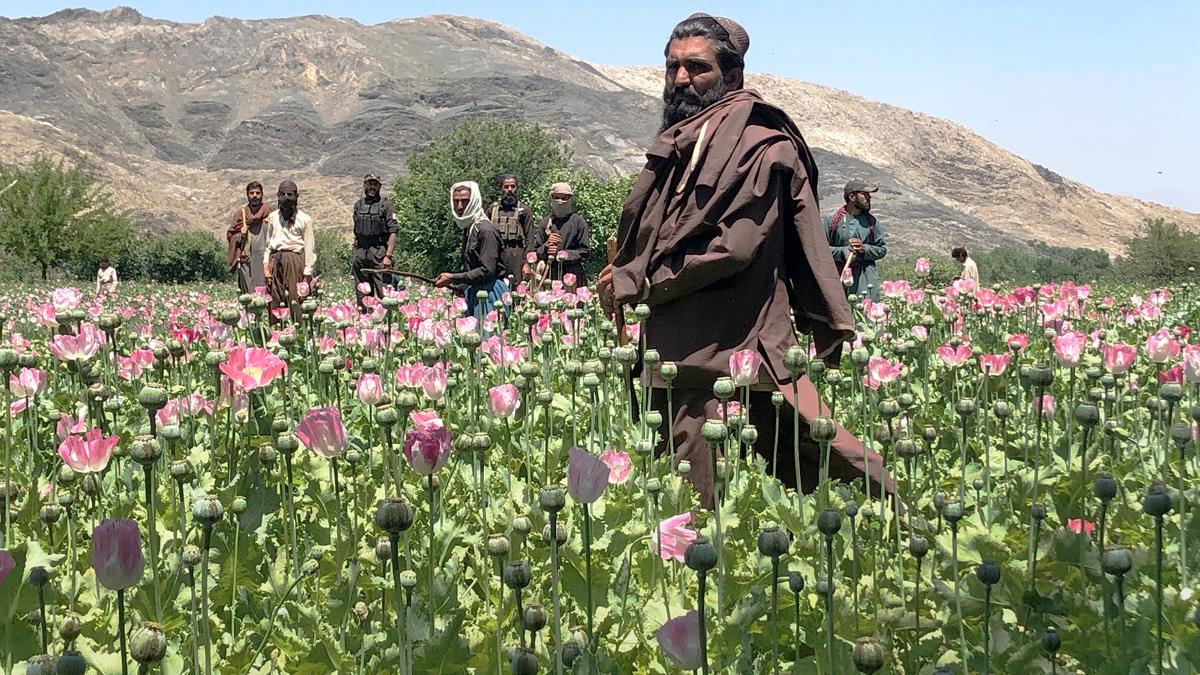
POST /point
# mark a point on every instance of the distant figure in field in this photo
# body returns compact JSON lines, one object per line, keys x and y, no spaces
{"x":969,"y":269}
{"x":106,"y":280}
{"x":482,"y":253}
{"x":375,"y":230}
{"x":562,"y":243}
{"x":290,"y":253}
{"x":857,"y":240}
{"x":246,"y":240}
{"x":514,"y":221}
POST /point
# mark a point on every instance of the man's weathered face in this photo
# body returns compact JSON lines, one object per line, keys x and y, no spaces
{"x":861,"y":200}
{"x":371,"y":188}
{"x":254,"y":195}
{"x":460,"y":199}
{"x":694,"y":79}
{"x":508,"y":186}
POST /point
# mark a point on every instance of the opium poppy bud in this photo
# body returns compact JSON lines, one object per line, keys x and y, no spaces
{"x":700,"y":555}
{"x":552,"y":499}
{"x":408,"y":580}
{"x":207,"y":509}
{"x":522,"y":525}
{"x":310,"y":568}
{"x":570,"y":652}
{"x":816,"y":370}
{"x":822,"y":429}
{"x":66,"y":475}
{"x":560,"y":533}
{"x":829,"y":522}
{"x":668,"y":371}
{"x":1171,"y":392}
{"x":1001,"y":410}
{"x":1181,"y":433}
{"x":965,"y":407}
{"x":1105,"y":487}
{"x":152,"y":397}
{"x":9,"y":360}
{"x":652,"y":358}
{"x":834,"y":378}
{"x":66,"y":499}
{"x":918,"y":546}
{"x":72,"y":662}
{"x":148,"y":644}
{"x":714,"y":431}
{"x":191,"y":555}
{"x":773,"y":542}
{"x":683,"y":468}
{"x":953,"y":511}
{"x":1117,"y":560}
{"x":851,"y":510}
{"x":38,"y":576}
{"x":145,"y":450}
{"x":867,"y":655}
{"x":907,"y":448}
{"x":749,"y":434}
{"x":353,"y":456}
{"x":795,"y":359}
{"x":1051,"y":641}
{"x":383,"y":549}
{"x":1157,"y":502}
{"x":534,"y":617}
{"x":267,"y":455}
{"x":796,"y":582}
{"x":498,"y":546}
{"x":238,"y":506}
{"x":859,"y":356}
{"x":49,"y":514}
{"x":394,"y":516}
{"x":1038,"y":512}
{"x":988,"y":573}
{"x":824,"y":588}
{"x":889,"y":408}
{"x":517,"y":575}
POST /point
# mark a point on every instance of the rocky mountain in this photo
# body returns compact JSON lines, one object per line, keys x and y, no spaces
{"x":177,"y":117}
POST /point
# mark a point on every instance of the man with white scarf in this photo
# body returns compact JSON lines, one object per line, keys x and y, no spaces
{"x":482,"y":262}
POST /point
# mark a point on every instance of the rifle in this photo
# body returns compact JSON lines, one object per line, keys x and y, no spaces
{"x":618,"y":310}
{"x":408,"y":275}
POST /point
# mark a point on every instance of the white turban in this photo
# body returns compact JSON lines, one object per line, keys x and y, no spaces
{"x":474,"y":211}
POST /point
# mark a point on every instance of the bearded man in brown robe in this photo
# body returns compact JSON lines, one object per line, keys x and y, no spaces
{"x":722,"y":238}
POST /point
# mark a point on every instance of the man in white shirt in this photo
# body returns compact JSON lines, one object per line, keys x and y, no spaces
{"x":106,"y":280}
{"x":970,"y":270}
{"x":290,"y":253}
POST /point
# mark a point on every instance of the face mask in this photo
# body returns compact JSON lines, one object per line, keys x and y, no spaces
{"x":561,"y":208}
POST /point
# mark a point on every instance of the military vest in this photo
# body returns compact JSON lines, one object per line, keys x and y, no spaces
{"x":370,"y":220}
{"x":509,"y":223}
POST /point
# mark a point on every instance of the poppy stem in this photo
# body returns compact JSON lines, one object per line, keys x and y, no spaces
{"x":121,"y":630}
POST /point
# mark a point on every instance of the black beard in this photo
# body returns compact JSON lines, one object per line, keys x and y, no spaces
{"x":287,"y":209}
{"x":865,"y":208}
{"x":508,"y":201}
{"x":254,"y":204}
{"x":683,"y":102}
{"x":371,"y":195}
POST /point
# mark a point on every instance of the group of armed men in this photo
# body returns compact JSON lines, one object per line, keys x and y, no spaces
{"x":273,"y":248}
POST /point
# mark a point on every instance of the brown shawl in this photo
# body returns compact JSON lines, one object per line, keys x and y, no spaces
{"x":701,"y":221}
{"x":237,"y":236}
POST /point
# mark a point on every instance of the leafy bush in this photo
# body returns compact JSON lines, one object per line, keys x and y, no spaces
{"x":333,"y":252}
{"x":1163,"y":253}
{"x":176,"y":257}
{"x":480,"y":150}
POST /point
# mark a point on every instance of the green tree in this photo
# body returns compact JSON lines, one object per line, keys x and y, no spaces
{"x":55,"y":214}
{"x":1162,"y":253}
{"x":481,"y":150}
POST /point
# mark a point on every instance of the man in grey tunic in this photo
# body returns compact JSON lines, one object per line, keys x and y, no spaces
{"x":246,"y":240}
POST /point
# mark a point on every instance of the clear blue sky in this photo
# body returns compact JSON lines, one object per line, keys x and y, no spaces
{"x":1104,"y":92}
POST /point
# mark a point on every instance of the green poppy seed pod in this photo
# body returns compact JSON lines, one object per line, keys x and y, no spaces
{"x":1087,"y":415}
{"x":927,"y":321}
{"x":66,"y":475}
{"x":643,"y":448}
{"x":953,"y":511}
{"x":829,"y":522}
{"x":918,"y":546}
{"x":1195,"y":413}
{"x":1041,"y":375}
{"x":394,"y":516}
{"x":66,"y":499}
{"x":207,"y":509}
{"x":145,"y":450}
{"x":654,"y":419}
{"x":310,"y":568}
{"x":1171,"y":392}
{"x":534,"y":617}
{"x":325,"y":368}
{"x":889,"y":408}
{"x":560,"y":533}
{"x":1157,"y":502}
{"x":72,"y":662}
{"x":796,"y":582}
{"x":1117,"y":560}
{"x":822,"y":429}
{"x":471,"y":340}
{"x":1095,"y":394}
{"x":795,"y":359}
{"x":49,"y":514}
{"x":191,"y":555}
{"x":148,"y":644}
{"x":152,"y":397}
{"x":552,"y":499}
{"x":353,"y":456}
{"x":238,"y":506}
{"x":723,"y":388}
{"x":1093,"y":373}
{"x":42,"y":664}
{"x":901,"y":349}
{"x":570,"y":652}
{"x":523,"y":662}
{"x":907,"y":448}
{"x":668,"y":371}
{"x":777,"y":399}
{"x":98,"y":391}
{"x":1154,"y":404}
{"x":1001,"y":410}
{"x":517,"y":574}
{"x":816,"y":370}
{"x":652,"y":358}
{"x":965,"y":407}
{"x":70,"y":627}
{"x":27,"y":360}
{"x":625,"y":356}
{"x":988,"y":573}
{"x":9,"y":360}
{"x":498,"y":546}
{"x":714,"y":431}
{"x":1105,"y":487}
{"x":383,"y":549}
{"x":544,"y":397}
{"x":907,"y":401}
{"x":1038,"y":512}
{"x":1181,"y":433}
{"x":170,"y":432}
{"x":683,"y":468}
{"x":287,"y":443}
{"x":749,"y":434}
{"x":773,"y":542}
{"x":530,"y":370}
{"x":867,"y":655}
{"x":408,"y":580}
{"x":406,"y":401}
{"x":929,"y":434}
{"x":851,"y":511}
{"x":38,"y":576}
{"x":1051,"y":641}
{"x":522,"y":525}
{"x":653,"y":486}
{"x":823,"y":587}
{"x":882,"y":433}
{"x":943,"y":670}
{"x":977,"y":484}
{"x":267,"y":455}
{"x":700,"y":555}
{"x":724,"y":470}
{"x":642,"y":311}
{"x":859,"y":356}
{"x":834,"y":378}
{"x":181,"y":470}
{"x":90,"y":485}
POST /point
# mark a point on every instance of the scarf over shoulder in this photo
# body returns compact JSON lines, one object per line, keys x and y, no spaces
{"x":722,"y":236}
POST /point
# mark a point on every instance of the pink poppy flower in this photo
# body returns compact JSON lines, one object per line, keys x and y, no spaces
{"x":252,"y":367}
{"x":994,"y":364}
{"x":679,"y":640}
{"x":6,"y":564}
{"x":675,"y":535}
{"x":743,"y":367}
{"x":66,"y":299}
{"x":69,"y":425}
{"x":79,"y":347}
{"x":89,"y":453}
{"x":425,"y":419}
{"x":954,"y":356}
{"x":1045,"y":406}
{"x":27,"y":383}
{"x":921,"y":267}
{"x":587,"y":476}
{"x":321,"y":431}
{"x":619,"y":466}
{"x":433,"y":381}
{"x":1119,"y":358}
{"x":1162,"y":346}
{"x":1068,"y":347}
{"x":1172,"y":375}
{"x":1191,"y":363}
{"x":1017,"y":343}
{"x":919,"y":333}
{"x":369,"y":389}
{"x":504,"y":399}
{"x":117,"y":554}
{"x":881,"y":372}
{"x":427,"y":448}
{"x":1078,"y":526}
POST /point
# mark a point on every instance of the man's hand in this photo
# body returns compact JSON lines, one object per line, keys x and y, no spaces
{"x":552,"y":244}
{"x":604,"y":288}
{"x":525,"y":271}
{"x":267,"y":272}
{"x":443,"y":280}
{"x":856,"y":245}
{"x":387,"y":261}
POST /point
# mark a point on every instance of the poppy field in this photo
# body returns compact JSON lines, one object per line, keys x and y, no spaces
{"x":193,"y":483}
